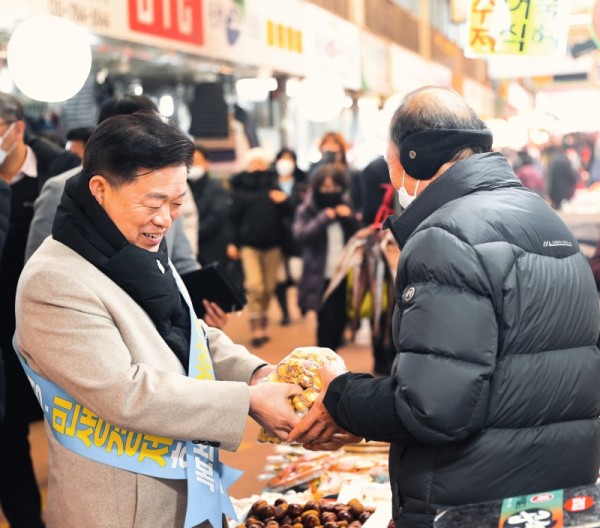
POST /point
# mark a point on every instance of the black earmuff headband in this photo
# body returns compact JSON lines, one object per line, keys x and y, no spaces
{"x":424,"y":152}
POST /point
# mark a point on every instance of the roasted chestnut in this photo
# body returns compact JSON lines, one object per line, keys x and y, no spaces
{"x":312,"y":505}
{"x":328,"y":517}
{"x":281,"y":510}
{"x":310,"y":521}
{"x":345,"y":515}
{"x":261,"y":503}
{"x":364,"y":516}
{"x":294,"y":510}
{"x":356,"y":507}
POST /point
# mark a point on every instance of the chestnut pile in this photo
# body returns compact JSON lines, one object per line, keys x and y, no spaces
{"x":313,"y":514}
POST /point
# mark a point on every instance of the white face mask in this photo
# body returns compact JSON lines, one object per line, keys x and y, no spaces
{"x":4,"y":153}
{"x":196,"y":172}
{"x":285,"y":167}
{"x":403,"y":196}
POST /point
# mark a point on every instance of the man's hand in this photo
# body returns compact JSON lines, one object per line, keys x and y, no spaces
{"x":214,"y":315}
{"x":337,"y":440}
{"x":317,"y":426}
{"x":270,"y":407}
{"x":277,"y":196}
{"x":343,"y":211}
{"x":233,"y":253}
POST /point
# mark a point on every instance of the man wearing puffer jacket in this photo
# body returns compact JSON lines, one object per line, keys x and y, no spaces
{"x":4,"y":216}
{"x":494,"y":389}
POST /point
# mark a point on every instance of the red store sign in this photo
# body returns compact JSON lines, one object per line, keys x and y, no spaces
{"x":179,"y":20}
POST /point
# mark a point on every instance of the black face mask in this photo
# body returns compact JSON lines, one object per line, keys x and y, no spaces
{"x":328,"y":199}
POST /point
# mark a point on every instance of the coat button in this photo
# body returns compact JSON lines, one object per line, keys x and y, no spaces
{"x":410,"y":293}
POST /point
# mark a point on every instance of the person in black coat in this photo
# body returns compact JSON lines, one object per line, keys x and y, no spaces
{"x":333,"y":150}
{"x":562,"y":179}
{"x":26,"y":162}
{"x":255,"y":229}
{"x":494,"y":391}
{"x":292,"y":181}
{"x":4,"y":218}
{"x":212,"y":201}
{"x":322,"y":226}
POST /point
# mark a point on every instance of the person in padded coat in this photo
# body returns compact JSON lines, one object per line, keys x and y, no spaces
{"x":494,"y":389}
{"x":4,"y":217}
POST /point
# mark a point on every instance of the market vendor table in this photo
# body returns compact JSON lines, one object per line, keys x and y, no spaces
{"x":570,"y":508}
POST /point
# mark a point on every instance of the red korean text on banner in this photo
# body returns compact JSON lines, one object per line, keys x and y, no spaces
{"x":179,"y":20}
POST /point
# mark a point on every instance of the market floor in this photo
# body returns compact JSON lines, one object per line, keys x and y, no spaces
{"x":251,"y":456}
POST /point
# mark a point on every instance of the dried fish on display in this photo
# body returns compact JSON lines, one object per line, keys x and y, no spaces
{"x":368,"y":261}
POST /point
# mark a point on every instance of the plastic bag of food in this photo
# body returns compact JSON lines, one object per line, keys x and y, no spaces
{"x":301,"y":367}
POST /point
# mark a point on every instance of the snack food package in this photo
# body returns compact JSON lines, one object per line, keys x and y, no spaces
{"x":301,"y":367}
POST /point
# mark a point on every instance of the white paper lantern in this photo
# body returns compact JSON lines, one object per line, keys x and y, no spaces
{"x":320,"y":99}
{"x":49,"y":58}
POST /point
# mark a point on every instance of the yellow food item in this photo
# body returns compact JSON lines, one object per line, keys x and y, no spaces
{"x":301,"y":367}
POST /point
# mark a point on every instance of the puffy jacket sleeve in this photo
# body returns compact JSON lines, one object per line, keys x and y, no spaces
{"x":4,"y":213}
{"x":212,"y":223}
{"x":595,"y":262}
{"x":447,"y":342}
{"x":309,"y":227}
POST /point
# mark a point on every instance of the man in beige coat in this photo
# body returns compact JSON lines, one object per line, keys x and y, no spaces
{"x":100,"y":316}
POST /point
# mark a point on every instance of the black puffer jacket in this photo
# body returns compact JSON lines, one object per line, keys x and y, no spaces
{"x":4,"y":219}
{"x":4,"y":213}
{"x":495,"y":390}
{"x":254,"y":219}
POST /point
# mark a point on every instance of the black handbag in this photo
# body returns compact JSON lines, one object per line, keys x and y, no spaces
{"x":214,"y":284}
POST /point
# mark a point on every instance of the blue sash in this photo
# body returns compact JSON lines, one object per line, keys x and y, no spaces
{"x":85,"y":433}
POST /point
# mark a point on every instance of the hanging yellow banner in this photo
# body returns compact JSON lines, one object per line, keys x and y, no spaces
{"x":517,"y":27}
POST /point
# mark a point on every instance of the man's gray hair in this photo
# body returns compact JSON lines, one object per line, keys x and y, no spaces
{"x":11,"y":108}
{"x":432,"y":107}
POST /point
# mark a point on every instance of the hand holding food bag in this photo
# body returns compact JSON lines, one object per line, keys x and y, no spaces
{"x":302,"y":367}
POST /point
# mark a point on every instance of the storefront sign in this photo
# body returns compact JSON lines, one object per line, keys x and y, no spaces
{"x":173,"y":19}
{"x":257,"y":32}
{"x":332,"y":46}
{"x":286,"y":36}
{"x":595,"y":28}
{"x":517,"y":27}
{"x":253,"y":32}
{"x":375,"y":57}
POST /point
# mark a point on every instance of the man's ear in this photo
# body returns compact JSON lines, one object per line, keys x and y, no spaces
{"x":20,"y":128}
{"x":98,"y":186}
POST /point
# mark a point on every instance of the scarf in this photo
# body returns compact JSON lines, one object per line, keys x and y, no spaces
{"x":82,"y":225}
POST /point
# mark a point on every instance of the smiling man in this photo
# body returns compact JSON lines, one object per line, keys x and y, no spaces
{"x":103,"y":316}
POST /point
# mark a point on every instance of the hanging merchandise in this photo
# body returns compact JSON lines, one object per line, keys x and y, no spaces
{"x":209,"y":112}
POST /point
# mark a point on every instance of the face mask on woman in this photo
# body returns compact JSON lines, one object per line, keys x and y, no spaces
{"x":328,"y":199}
{"x":285,"y":167}
{"x":196,"y":172}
